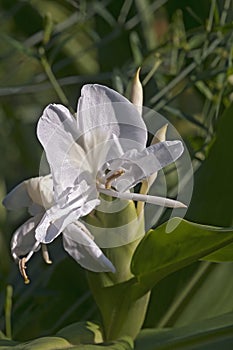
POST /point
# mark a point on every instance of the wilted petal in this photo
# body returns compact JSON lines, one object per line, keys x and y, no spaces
{"x":140,"y":165}
{"x":83,"y":249}
{"x":23,"y":240}
{"x":57,"y":132}
{"x":103,"y":109}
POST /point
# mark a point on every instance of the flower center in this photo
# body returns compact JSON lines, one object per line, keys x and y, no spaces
{"x":106,"y":178}
{"x":112,"y":177}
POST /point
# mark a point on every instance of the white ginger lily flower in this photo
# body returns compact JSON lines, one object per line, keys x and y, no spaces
{"x":103,"y":150}
{"x":36,"y":194}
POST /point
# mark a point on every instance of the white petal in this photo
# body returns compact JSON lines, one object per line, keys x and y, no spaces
{"x":77,"y":203}
{"x":57,"y":132}
{"x":84,"y":250}
{"x":140,"y":165}
{"x":164,"y":202}
{"x":35,"y":194}
{"x":103,"y":109}
{"x":17,"y":198}
{"x":23,"y":240}
{"x":40,"y":190}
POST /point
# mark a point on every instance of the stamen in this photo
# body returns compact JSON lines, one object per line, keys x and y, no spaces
{"x":45,"y":254}
{"x":164,"y":202}
{"x":112,"y":177}
{"x":22,"y":269}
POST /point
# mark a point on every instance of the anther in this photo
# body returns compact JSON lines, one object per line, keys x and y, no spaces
{"x":112,"y":177}
{"x":22,"y":269}
{"x":45,"y":254}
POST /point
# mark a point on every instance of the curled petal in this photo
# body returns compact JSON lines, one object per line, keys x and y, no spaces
{"x":83,"y":249}
{"x":35,"y":194}
{"x":23,"y":241}
{"x":79,"y":202}
{"x":140,"y":165}
{"x":17,"y":198}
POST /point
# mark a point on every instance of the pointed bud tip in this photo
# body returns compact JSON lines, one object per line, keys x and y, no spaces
{"x":180,"y":205}
{"x":137,"y":90}
{"x":137,"y":75}
{"x":160,"y":135}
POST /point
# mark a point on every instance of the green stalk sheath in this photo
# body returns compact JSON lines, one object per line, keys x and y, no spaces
{"x":123,"y":312}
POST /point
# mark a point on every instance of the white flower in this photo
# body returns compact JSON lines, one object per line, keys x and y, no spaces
{"x":103,"y":150}
{"x":36,"y":195}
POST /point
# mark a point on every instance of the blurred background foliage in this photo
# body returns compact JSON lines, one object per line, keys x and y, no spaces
{"x":48,"y":50}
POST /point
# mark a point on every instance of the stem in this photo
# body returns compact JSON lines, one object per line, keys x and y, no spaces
{"x":122,"y":311}
{"x":52,"y":79}
{"x":8,"y":308}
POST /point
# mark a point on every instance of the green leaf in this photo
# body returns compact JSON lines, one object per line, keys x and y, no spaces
{"x":126,"y":343}
{"x":212,"y":334}
{"x":213,"y":190}
{"x":7,"y":343}
{"x":45,"y":343}
{"x":81,"y":333}
{"x":222,"y":255}
{"x":211,"y":297}
{"x":161,"y":253}
{"x":52,"y":343}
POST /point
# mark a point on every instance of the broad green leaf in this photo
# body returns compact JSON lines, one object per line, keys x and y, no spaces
{"x":81,"y":333}
{"x":125,"y":343}
{"x":160,"y":253}
{"x":212,"y":334}
{"x":213,"y":191}
{"x":45,"y":343}
{"x":222,"y":255}
{"x":52,"y":343}
{"x":209,"y":298}
{"x":7,"y":343}
{"x":173,"y":300}
{"x":197,"y":294}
